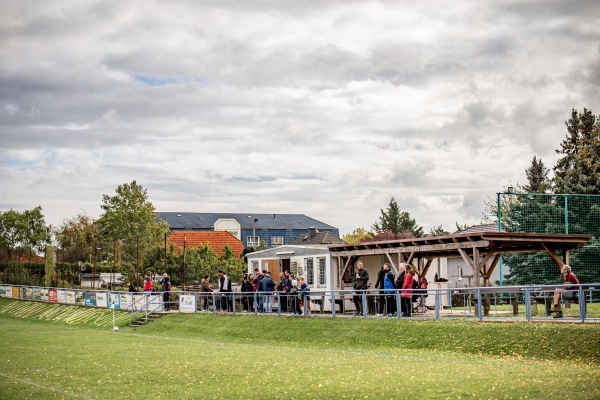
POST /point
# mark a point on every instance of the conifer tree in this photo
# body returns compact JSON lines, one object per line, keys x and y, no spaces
{"x":396,"y":221}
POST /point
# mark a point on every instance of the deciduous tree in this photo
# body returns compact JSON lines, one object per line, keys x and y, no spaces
{"x":130,"y":216}
{"x":356,"y":236}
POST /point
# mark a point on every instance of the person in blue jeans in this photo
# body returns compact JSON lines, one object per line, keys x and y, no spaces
{"x":269,"y":287}
{"x":389,"y":290}
{"x":259,"y":290}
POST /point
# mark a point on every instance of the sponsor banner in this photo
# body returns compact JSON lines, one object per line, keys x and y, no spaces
{"x":90,"y":299}
{"x":155,"y":302}
{"x":44,"y":293}
{"x":187,"y":303}
{"x":139,"y":301}
{"x":61,"y":295}
{"x":28,"y":293}
{"x":114,"y":299}
{"x":70,"y":296}
{"x":126,"y":300}
{"x":52,"y":296}
{"x":101,"y":299}
{"x":37,"y":294}
{"x":18,"y":293}
{"x":2,"y":291}
{"x":9,"y":291}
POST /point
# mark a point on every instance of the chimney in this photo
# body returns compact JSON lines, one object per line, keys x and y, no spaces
{"x":312,"y":232}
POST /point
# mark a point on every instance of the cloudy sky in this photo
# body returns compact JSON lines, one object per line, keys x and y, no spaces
{"x":325,"y":108}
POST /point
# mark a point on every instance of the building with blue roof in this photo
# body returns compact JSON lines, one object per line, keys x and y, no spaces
{"x":251,"y":229}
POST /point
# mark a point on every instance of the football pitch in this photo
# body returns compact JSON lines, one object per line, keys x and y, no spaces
{"x":259,"y":357}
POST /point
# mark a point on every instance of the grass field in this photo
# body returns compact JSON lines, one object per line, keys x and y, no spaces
{"x":49,"y":352}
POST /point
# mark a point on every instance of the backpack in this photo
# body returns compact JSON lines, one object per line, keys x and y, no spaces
{"x":415,"y":285}
{"x":169,"y":286}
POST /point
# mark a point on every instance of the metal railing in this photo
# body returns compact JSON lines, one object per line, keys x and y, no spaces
{"x":506,"y":303}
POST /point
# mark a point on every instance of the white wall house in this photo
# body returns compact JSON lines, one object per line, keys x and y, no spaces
{"x":311,"y":262}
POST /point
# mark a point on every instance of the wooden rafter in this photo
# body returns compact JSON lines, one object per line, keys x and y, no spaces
{"x":485,"y":247}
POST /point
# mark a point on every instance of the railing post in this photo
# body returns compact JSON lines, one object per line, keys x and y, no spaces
{"x":255,"y":305}
{"x":479,"y":313}
{"x":364,"y":303}
{"x":214,"y":299}
{"x":582,"y":306}
{"x":278,"y":303}
{"x":398,"y":304}
{"x":437,"y":303}
{"x":528,"y":312}
{"x":233,"y":301}
{"x":305,"y":306}
{"x":333,"y":303}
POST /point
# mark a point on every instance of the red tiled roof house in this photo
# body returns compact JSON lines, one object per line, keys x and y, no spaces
{"x":216,"y":240}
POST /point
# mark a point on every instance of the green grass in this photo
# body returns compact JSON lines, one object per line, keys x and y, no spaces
{"x":256,"y":357}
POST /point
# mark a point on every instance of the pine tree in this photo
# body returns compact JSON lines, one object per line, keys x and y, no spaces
{"x":537,"y":177}
{"x":578,"y":170}
{"x":397,"y":221}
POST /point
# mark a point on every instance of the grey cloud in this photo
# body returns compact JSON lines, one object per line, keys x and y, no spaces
{"x":290,"y":106}
{"x":410,"y":173}
{"x":549,"y":9}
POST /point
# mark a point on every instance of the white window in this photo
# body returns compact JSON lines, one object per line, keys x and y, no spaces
{"x":252,"y":241}
{"x":254,"y":264}
{"x":322,"y":274}
{"x":310,"y":273}
{"x":276,"y":240}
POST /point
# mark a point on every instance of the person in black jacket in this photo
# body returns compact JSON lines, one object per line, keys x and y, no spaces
{"x":248,"y":297}
{"x":224,"y":289}
{"x":166,"y":287}
{"x":360,"y":286}
{"x":381,"y":295}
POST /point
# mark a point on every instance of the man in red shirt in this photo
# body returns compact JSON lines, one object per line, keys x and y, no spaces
{"x":568,"y":293}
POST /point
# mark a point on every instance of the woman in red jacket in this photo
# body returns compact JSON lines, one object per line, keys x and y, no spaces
{"x":148,"y":284}
{"x":406,"y":295}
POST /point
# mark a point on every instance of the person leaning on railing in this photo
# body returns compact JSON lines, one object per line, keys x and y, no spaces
{"x":567,"y":293}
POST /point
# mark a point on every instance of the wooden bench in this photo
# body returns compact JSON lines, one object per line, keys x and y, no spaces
{"x":548,"y":300}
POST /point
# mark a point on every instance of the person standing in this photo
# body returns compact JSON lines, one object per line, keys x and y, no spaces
{"x":569,"y":293}
{"x":205,"y":289}
{"x":166,"y":288}
{"x":268,"y":285}
{"x":248,"y":293}
{"x":361,"y":280}
{"x":281,"y":292}
{"x":148,"y":284}
{"x":130,"y":287}
{"x":422,"y":294}
{"x":293,"y":293}
{"x":224,"y":289}
{"x":389,"y":290}
{"x":380,"y":293}
{"x":406,"y":296}
{"x":305,"y":294}
{"x":287,"y":286}
{"x":259,"y":290}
